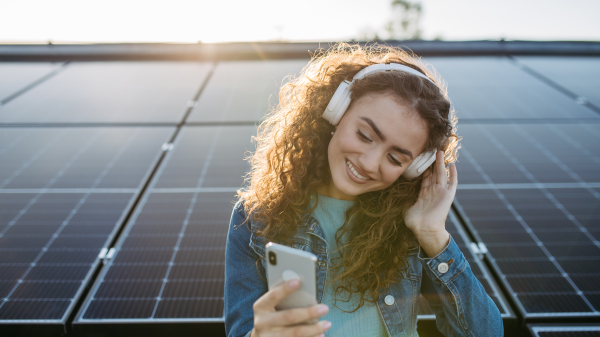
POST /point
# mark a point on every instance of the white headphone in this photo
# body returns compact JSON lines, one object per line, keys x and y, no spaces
{"x":341,"y":100}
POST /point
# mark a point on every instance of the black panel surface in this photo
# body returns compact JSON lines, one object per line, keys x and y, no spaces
{"x":544,"y":242}
{"x":525,"y":154}
{"x":243,"y":90}
{"x":63,"y":192}
{"x":580,"y":75}
{"x":492,"y":87}
{"x":169,"y":262}
{"x":110,"y":92}
{"x":15,"y":76}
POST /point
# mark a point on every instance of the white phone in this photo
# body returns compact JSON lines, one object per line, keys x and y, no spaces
{"x":285,"y":263}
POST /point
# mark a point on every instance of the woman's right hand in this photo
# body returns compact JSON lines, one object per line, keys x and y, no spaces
{"x":269,"y":322}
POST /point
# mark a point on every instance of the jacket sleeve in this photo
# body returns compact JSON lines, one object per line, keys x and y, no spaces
{"x":461,"y":305}
{"x":245,"y":279}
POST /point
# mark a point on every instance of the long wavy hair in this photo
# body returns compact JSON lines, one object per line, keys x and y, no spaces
{"x":290,"y":162}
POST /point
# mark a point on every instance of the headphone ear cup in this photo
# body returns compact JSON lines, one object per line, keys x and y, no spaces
{"x":419,"y":165}
{"x":338,"y":104}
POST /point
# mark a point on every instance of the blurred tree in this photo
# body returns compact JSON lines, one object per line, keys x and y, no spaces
{"x":405,"y":22}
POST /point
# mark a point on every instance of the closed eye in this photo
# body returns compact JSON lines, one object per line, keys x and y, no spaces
{"x":363,"y":137}
{"x":394,"y":161}
{"x":366,"y":139}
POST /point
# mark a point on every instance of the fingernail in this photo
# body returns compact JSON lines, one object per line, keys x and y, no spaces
{"x":323,"y":309}
{"x":326,"y":325}
{"x":294,"y":283}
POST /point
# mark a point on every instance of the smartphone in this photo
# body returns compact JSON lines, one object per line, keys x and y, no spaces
{"x":285,"y":263}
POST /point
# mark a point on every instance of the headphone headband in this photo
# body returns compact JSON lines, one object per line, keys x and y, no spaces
{"x":375,"y":68}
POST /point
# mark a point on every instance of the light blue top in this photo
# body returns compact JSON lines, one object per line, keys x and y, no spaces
{"x":366,"y":321}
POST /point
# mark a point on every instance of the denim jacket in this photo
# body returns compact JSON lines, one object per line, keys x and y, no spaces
{"x":461,"y":305}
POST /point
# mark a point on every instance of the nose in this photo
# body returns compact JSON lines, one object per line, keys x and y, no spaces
{"x":369,"y":162}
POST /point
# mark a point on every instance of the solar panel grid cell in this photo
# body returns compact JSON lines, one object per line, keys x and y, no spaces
{"x":577,"y":74}
{"x":110,"y":92}
{"x":17,"y":76}
{"x":243,"y":90}
{"x":492,"y":87}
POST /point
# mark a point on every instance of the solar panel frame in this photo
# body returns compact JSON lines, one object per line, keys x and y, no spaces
{"x":564,"y":330}
{"x":49,"y":325}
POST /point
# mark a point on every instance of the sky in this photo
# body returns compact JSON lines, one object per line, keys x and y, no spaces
{"x":185,"y":21}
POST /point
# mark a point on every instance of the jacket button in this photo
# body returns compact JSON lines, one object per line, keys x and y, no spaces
{"x":389,"y":300}
{"x":443,"y":267}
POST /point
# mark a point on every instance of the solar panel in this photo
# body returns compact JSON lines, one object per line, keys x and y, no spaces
{"x":169,"y":261}
{"x":15,"y":76}
{"x":106,"y":92}
{"x":580,"y":75}
{"x":566,"y":330}
{"x":63,"y":193}
{"x":243,"y":91}
{"x":532,"y":196}
{"x":493,"y":87}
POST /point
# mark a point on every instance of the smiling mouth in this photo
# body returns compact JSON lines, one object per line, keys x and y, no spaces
{"x":356,"y":174}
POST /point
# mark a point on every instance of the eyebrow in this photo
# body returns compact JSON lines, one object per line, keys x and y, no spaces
{"x":382,"y":137}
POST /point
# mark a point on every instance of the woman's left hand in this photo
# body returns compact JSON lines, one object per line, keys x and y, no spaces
{"x":427,"y":217}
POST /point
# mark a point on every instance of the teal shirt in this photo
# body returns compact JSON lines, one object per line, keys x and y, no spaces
{"x":366,"y":321}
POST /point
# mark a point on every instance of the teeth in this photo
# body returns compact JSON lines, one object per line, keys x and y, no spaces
{"x":354,"y":171}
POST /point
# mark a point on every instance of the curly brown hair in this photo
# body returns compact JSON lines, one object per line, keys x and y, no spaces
{"x":291,"y":162}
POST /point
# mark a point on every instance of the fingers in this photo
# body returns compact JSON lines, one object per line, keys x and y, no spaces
{"x":271,"y":298}
{"x":453,"y":178}
{"x":295,"y":316}
{"x":440,"y":169}
{"x":307,"y":330}
{"x":427,"y":178}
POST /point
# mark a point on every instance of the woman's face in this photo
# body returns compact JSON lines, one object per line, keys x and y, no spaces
{"x":376,"y":140}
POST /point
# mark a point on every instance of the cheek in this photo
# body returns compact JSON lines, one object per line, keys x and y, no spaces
{"x":343,"y":145}
{"x":390,"y":175}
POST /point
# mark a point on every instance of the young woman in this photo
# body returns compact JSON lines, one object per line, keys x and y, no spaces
{"x":355,"y":185}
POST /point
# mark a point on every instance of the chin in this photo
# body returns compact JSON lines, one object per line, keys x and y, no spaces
{"x":348,"y":187}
